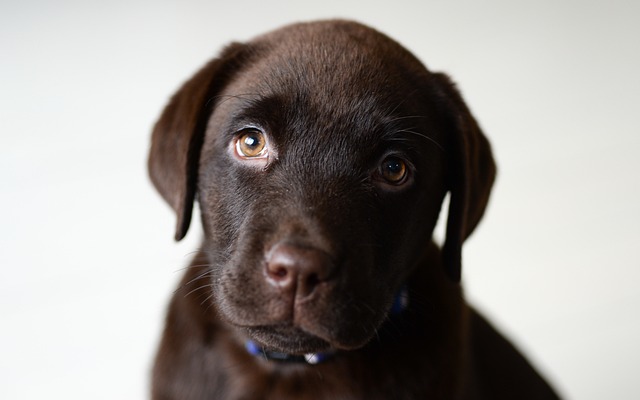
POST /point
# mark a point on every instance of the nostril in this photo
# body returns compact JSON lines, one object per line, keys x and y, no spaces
{"x":278,"y":272}
{"x":281,"y":269}
{"x":313,"y":280}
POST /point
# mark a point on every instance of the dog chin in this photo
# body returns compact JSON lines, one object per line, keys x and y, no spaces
{"x":288,"y":339}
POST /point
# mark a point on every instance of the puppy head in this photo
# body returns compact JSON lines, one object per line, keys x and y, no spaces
{"x":320,"y":155}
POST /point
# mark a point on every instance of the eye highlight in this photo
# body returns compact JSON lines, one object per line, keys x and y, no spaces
{"x":393,"y":170}
{"x":251,"y":143}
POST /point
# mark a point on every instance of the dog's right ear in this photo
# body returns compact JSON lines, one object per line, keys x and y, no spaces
{"x":178,"y":135}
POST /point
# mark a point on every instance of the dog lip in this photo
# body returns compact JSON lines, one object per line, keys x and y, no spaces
{"x":297,"y":339}
{"x":288,"y":338}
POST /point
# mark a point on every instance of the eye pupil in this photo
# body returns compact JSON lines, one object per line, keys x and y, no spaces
{"x":251,"y":144}
{"x":251,"y":141}
{"x":394,"y":167}
{"x":393,"y":170}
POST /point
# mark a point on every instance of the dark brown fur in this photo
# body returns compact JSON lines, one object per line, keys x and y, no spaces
{"x":305,"y":253}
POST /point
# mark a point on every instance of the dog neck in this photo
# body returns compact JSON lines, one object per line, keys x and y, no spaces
{"x":400,"y":303}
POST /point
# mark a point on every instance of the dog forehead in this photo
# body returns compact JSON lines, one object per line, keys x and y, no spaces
{"x":332,"y":62}
{"x":325,"y":86}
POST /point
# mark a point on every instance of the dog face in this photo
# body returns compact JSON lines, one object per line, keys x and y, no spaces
{"x":320,"y":155}
{"x":318,"y":193}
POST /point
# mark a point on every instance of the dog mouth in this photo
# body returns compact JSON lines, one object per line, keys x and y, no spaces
{"x":319,"y":332}
{"x":287,"y":339}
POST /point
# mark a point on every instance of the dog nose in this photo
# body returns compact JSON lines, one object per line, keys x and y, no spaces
{"x":298,"y":269}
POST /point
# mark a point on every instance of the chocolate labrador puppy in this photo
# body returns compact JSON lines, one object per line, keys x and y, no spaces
{"x":320,"y":155}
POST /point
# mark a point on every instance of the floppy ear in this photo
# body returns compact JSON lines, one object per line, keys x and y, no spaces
{"x":178,"y":135}
{"x":471,"y":174}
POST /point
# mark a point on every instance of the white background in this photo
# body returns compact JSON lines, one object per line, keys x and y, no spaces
{"x":87,"y":261}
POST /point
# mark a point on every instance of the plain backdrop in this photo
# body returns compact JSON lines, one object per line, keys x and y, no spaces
{"x":87,"y":260}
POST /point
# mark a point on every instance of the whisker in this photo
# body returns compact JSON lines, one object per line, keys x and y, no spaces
{"x":202,"y":275}
{"x":422,"y":135}
{"x":193,"y":266}
{"x":402,"y":102}
{"x":191,"y":253}
{"x":206,"y":310}
{"x":198,"y":288}
{"x":406,"y":117}
{"x":206,"y":300}
{"x":184,"y":286}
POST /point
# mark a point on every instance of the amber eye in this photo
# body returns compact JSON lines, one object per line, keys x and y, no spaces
{"x":393,"y":170}
{"x":251,"y":144}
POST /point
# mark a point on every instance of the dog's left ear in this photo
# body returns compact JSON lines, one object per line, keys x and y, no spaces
{"x":178,"y":135}
{"x":471,"y":172}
